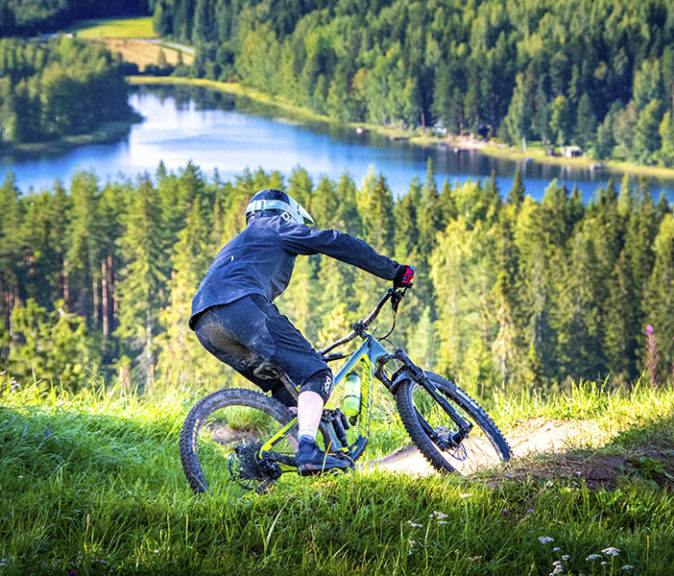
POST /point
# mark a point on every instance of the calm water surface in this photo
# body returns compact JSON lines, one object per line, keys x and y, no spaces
{"x":216,"y":131}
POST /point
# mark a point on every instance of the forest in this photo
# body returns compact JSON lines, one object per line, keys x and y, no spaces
{"x":595,"y":74}
{"x":56,"y":88}
{"x":511,"y":294}
{"x":32,"y":17}
{"x":598,"y":75}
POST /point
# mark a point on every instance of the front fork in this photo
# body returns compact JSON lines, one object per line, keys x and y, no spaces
{"x":409,"y":370}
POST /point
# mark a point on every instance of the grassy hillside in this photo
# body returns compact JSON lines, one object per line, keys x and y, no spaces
{"x":113,"y":28}
{"x":93,"y":484}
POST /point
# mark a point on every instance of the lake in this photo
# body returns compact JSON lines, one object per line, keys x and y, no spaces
{"x":216,"y":130}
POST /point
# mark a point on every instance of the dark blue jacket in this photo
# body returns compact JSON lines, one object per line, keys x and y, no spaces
{"x":260,"y":260}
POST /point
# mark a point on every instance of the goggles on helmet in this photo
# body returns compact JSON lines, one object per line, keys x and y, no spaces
{"x":272,"y":199}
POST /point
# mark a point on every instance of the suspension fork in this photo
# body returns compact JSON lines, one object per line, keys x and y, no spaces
{"x":411,"y":370}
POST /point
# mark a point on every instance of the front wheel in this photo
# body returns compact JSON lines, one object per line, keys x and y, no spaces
{"x":436,"y":434}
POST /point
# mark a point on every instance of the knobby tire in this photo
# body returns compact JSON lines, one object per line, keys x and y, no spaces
{"x":407,"y":404}
{"x":199,"y":415}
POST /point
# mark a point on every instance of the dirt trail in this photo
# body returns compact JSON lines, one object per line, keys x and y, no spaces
{"x":533,"y":437}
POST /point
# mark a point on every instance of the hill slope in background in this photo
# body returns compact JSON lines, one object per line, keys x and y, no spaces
{"x":93,"y":483}
{"x":598,"y":75}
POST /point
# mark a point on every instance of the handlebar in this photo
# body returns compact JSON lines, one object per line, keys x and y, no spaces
{"x":359,"y":328}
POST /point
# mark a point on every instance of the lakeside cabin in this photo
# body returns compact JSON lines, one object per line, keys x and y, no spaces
{"x":571,"y":152}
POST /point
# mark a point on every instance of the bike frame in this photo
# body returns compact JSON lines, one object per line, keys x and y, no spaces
{"x":365,"y":359}
{"x":370,"y":357}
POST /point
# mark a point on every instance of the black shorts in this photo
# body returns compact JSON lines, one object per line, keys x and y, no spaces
{"x":254,"y":338}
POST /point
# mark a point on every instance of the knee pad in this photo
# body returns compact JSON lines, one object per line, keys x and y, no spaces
{"x":321,"y":383}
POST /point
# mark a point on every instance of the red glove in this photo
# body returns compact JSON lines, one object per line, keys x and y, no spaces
{"x":404,"y":276}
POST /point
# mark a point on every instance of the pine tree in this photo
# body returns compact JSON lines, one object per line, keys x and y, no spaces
{"x":579,"y":317}
{"x":143,"y":287}
{"x":539,"y":264}
{"x":82,"y":259}
{"x":660,"y":304}
{"x":619,"y":322}
{"x":462,"y":274}
{"x":586,"y":122}
{"x":181,"y":356}
{"x":59,"y":216}
{"x":10,"y":245}
{"x":504,"y":346}
{"x":516,"y":193}
{"x":39,"y":253}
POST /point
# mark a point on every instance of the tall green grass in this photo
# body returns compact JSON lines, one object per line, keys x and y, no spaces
{"x":93,"y":483}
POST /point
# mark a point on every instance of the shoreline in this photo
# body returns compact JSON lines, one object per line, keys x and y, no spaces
{"x":106,"y":133}
{"x":423,"y":139}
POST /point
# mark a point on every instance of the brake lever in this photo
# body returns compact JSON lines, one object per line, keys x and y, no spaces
{"x":396,"y":298}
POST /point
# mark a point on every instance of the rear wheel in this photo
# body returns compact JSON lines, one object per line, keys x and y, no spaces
{"x":222,"y":435}
{"x":435,"y":433}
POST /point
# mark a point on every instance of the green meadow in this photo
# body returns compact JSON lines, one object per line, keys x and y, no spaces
{"x":140,"y":27}
{"x":91,"y":483}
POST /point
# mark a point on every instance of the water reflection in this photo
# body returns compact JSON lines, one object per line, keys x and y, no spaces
{"x":217,"y":130}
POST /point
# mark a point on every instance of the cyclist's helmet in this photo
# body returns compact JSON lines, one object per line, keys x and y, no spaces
{"x":270,"y":202}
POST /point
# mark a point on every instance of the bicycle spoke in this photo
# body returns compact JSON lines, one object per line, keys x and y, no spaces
{"x":467,"y":455}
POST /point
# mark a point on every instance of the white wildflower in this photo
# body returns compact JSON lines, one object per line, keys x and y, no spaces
{"x":556,"y":549}
{"x":412,"y":544}
{"x":566,"y":557}
{"x":593,"y":557}
{"x":611,"y":551}
{"x":438,"y":515}
{"x":440,"y":522}
{"x":628,"y":567}
{"x":156,"y":551}
{"x":475,"y":558}
{"x":414,"y":524}
{"x":466,"y":495}
{"x":545,"y":539}
{"x":604,"y":563}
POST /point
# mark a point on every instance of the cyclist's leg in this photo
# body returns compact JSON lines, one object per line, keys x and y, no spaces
{"x":304,"y":365}
{"x":251,"y":331}
{"x":258,"y":327}
{"x":211,"y":328}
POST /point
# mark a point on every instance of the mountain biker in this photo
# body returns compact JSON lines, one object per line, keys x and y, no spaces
{"x":235,"y":320}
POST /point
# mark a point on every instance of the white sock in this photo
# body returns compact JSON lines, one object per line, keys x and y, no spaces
{"x":306,"y":434}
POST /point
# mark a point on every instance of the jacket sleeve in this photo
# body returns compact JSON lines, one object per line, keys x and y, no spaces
{"x":300,"y":239}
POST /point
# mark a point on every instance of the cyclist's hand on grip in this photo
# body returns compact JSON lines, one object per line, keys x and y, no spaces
{"x":404,"y":276}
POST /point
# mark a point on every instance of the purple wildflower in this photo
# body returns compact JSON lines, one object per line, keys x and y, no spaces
{"x":651,"y":355}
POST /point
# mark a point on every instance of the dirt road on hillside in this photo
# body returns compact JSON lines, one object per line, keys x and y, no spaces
{"x":534,"y":437}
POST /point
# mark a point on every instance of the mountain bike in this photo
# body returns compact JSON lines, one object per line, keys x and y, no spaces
{"x":249,"y":437}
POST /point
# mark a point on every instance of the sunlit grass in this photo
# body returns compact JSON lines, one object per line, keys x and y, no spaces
{"x":113,"y":28}
{"x":93,"y":483}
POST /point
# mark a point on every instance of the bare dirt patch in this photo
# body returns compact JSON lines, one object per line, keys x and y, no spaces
{"x":534,"y":437}
{"x":597,"y":470}
{"x":145,"y":53}
{"x":225,"y":434}
{"x":556,"y":449}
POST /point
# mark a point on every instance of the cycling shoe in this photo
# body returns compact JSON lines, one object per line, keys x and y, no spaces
{"x":310,"y":460}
